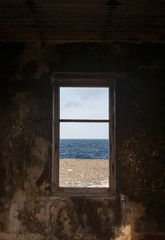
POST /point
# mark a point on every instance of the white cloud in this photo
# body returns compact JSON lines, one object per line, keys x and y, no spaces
{"x":90,"y":93}
{"x":71,"y":104}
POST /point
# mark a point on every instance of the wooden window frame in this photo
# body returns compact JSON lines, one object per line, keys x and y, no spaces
{"x":82,"y":80}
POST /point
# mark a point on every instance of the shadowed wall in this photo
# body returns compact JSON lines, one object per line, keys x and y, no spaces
{"x":27,"y":210}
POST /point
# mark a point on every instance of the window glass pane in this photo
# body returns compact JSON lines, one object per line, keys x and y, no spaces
{"x":84,"y":130}
{"x":84,"y":103}
{"x":84,"y":155}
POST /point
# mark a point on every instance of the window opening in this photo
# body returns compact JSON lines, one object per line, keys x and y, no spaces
{"x":83,"y":137}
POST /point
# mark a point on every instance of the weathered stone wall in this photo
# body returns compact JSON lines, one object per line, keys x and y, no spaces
{"x":27,"y":211}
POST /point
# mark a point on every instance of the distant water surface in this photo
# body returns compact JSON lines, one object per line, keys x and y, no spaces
{"x":84,"y":148}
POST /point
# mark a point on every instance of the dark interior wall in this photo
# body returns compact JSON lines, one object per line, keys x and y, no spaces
{"x":140,"y":148}
{"x":26,"y":208}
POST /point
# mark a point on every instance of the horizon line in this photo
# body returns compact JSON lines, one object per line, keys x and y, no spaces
{"x":85,"y":138}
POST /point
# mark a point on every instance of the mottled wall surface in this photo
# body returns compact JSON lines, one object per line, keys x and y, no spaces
{"x":27,"y":211}
{"x":141,"y":147}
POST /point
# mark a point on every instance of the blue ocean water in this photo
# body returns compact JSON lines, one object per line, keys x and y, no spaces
{"x":84,"y":148}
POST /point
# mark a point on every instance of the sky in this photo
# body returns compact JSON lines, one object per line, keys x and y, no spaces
{"x":84,"y":103}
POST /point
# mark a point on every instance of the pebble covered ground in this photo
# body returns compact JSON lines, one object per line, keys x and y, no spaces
{"x":84,"y":172}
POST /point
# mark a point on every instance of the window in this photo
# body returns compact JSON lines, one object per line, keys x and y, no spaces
{"x":83,"y":142}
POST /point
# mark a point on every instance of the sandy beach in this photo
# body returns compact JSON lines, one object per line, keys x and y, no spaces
{"x":84,"y":172}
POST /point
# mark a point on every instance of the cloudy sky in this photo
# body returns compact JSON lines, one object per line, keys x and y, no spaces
{"x":84,"y":103}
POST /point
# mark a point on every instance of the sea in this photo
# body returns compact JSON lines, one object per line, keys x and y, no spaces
{"x":84,"y":148}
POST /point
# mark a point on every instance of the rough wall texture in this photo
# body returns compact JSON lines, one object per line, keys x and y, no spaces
{"x":27,"y":211}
